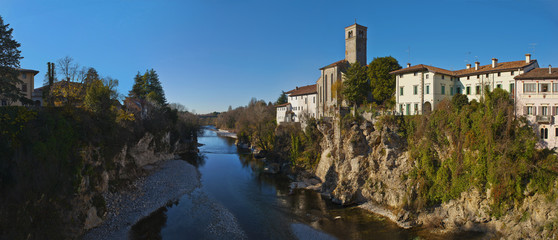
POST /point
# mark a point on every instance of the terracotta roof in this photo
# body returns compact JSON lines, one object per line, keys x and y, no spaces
{"x":309,"y":89}
{"x":467,"y":72}
{"x":422,"y":67}
{"x":28,"y":70}
{"x":539,"y":73}
{"x":282,"y":105}
{"x":499,"y":68}
{"x":341,"y":62}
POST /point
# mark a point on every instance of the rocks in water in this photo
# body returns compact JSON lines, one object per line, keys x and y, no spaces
{"x":272,"y":168}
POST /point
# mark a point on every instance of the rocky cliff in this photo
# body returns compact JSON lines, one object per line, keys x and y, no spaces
{"x":369,"y":163}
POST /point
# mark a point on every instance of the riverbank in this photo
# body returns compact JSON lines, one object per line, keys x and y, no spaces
{"x":225,"y":133}
{"x":166,"y":182}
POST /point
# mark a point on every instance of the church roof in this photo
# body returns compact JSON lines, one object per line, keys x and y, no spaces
{"x":304,"y":90}
{"x":341,"y":62}
{"x":539,"y":73}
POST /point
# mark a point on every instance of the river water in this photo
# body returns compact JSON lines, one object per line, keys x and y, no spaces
{"x":237,"y":200}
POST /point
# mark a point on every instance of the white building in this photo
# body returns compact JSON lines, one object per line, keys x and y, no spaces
{"x":421,"y":87}
{"x":537,"y":99}
{"x":302,"y":105}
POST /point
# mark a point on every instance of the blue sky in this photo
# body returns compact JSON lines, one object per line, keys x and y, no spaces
{"x":210,"y":54}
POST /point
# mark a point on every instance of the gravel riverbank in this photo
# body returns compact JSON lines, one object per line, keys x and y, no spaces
{"x":167,"y":182}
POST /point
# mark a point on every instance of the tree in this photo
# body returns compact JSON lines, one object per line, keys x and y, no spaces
{"x":282,"y":99}
{"x":355,"y":85}
{"x":90,"y":76}
{"x":9,"y":62}
{"x":381,"y":82}
{"x":459,"y":100}
{"x":148,"y":86}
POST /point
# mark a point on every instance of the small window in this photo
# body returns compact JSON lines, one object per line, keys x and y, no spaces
{"x":24,"y":87}
{"x":401,"y":91}
{"x":415,"y":90}
{"x":543,"y":87}
{"x":305,"y":100}
{"x":451,"y":91}
{"x":416,"y":108}
{"x":498,"y":85}
{"x":350,"y":34}
{"x":24,"y":75}
{"x":443,"y":90}
{"x":530,"y":110}
{"x":556,"y":132}
{"x":427,"y":76}
{"x":401,"y":108}
{"x":415,"y":73}
{"x":478,"y":76}
{"x":512,"y":88}
{"x":468,"y":90}
{"x":544,"y":111}
{"x":313,"y":99}
{"x":512,"y":73}
{"x":478,"y":89}
{"x":457,"y":90}
{"x":468,"y":77}
{"x":544,"y":133}
{"x":529,"y":87}
{"x":400,"y":75}
{"x":4,"y":102}
{"x":442,"y":76}
{"x":427,"y":89}
{"x":487,"y":75}
{"x":499,"y":74}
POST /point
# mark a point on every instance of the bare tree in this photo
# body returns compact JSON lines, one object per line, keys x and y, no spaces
{"x":68,"y":69}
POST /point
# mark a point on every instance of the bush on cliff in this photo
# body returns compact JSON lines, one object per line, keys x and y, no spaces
{"x":478,"y":144}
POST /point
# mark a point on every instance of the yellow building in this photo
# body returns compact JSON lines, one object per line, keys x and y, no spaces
{"x":27,"y":76}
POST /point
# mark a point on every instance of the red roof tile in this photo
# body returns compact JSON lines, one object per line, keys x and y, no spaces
{"x":282,"y":105}
{"x":341,"y":62}
{"x":309,"y":89}
{"x":467,"y":72}
{"x":539,"y":73}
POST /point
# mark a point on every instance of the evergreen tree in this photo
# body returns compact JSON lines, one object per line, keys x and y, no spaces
{"x":355,"y":85}
{"x":282,"y":98}
{"x":148,"y":86}
{"x":381,"y":82}
{"x":9,"y":62}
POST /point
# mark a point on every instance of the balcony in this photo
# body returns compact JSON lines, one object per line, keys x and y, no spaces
{"x":544,"y":119}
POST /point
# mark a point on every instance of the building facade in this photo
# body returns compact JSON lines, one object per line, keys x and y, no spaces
{"x":301,"y":106}
{"x":537,"y":100}
{"x":27,"y":76}
{"x":421,"y":87}
{"x":355,"y":51}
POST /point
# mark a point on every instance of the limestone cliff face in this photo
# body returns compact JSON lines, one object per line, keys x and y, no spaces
{"x":127,"y":164}
{"x":370,"y":164}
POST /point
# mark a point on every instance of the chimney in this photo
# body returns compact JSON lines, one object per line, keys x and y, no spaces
{"x":468,"y":65}
{"x":477,"y":65}
{"x":494,"y":62}
{"x":408,"y":64}
{"x":549,"y":69}
{"x":527,"y":58}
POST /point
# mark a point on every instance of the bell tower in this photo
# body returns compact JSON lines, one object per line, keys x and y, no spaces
{"x":355,"y":44}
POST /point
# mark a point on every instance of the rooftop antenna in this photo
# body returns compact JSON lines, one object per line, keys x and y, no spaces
{"x":532,"y":47}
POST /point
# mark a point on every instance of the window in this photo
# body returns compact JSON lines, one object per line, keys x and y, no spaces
{"x":468,"y":90}
{"x":512,"y":73}
{"x":443,"y":89}
{"x":498,"y":85}
{"x":305,"y":100}
{"x":512,"y":88}
{"x":499,"y":74}
{"x":451,"y":91}
{"x":314,"y":99}
{"x":408,"y":109}
{"x":24,"y":75}
{"x":427,"y":76}
{"x":468,"y":77}
{"x":478,"y":76}
{"x":487,"y":75}
{"x":544,"y":87}
{"x":4,"y":102}
{"x":544,"y":110}
{"x":529,"y":87}
{"x":301,"y":108}
{"x":478,"y":89}
{"x":24,"y":87}
{"x":556,"y":132}
{"x":442,"y":76}
{"x":296,"y":97}
{"x":530,"y":110}
{"x":427,"y":89}
{"x":544,"y":133}
{"x":415,"y":90}
{"x":415,"y":73}
{"x":458,"y":90}
{"x":350,"y":34}
{"x":416,"y":108}
{"x":555,"y":87}
{"x":400,"y":75}
{"x":401,"y":91}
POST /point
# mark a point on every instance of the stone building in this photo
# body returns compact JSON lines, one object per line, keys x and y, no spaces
{"x":355,"y":51}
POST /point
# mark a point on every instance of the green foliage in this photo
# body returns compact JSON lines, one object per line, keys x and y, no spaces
{"x":459,"y":100}
{"x":282,"y":99}
{"x":381,"y":82}
{"x":98,"y":97}
{"x":355,"y":84}
{"x":148,"y":86}
{"x":477,"y":145}
{"x":9,"y":62}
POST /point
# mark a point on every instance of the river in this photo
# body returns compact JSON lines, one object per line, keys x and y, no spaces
{"x":237,"y":200}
